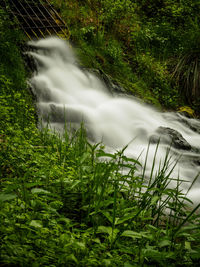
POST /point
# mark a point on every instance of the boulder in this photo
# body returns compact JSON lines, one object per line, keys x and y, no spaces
{"x":171,"y":137}
{"x":112,"y":86}
{"x":193,"y":124}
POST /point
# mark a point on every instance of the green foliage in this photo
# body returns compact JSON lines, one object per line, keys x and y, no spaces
{"x":187,"y":75}
{"x":16,"y":108}
{"x":186,"y":72}
{"x":131,"y":40}
{"x":66,"y":202}
{"x":9,"y":53}
{"x":155,"y":75}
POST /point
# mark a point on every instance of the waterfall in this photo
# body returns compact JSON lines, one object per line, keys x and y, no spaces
{"x":67,"y":93}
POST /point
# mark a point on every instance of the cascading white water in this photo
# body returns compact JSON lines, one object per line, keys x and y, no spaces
{"x":67,"y":93}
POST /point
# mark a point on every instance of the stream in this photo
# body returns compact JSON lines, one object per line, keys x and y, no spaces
{"x":67,"y":93}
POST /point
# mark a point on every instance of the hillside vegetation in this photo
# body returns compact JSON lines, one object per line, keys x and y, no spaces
{"x":61,"y":204}
{"x":150,"y":47}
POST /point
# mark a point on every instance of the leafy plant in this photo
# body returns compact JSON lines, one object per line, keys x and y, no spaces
{"x":187,"y":75}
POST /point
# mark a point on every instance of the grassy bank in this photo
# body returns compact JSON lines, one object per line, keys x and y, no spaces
{"x":150,"y":48}
{"x":63,"y":204}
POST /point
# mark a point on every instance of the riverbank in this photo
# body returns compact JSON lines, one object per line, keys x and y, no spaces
{"x":140,"y":45}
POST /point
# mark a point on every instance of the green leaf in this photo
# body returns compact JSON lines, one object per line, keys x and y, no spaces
{"x":106,"y":262}
{"x":39,"y":191}
{"x":131,"y":160}
{"x":108,"y":216}
{"x":164,"y":243}
{"x":189,"y":228}
{"x":101,"y":153}
{"x":96,"y":240}
{"x":154,"y":200}
{"x":75,"y":183}
{"x":187,"y":245}
{"x":79,"y":245}
{"x":7,"y":197}
{"x":65,"y":238}
{"x":85,"y":156}
{"x":105,"y":230}
{"x":106,"y":203}
{"x":36,"y":223}
{"x":112,"y":233}
{"x":124,"y":219}
{"x":134,"y":235}
{"x":71,"y":257}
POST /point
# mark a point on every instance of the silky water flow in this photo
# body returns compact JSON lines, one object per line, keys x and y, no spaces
{"x":67,"y":93}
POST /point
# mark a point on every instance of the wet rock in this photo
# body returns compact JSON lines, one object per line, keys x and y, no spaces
{"x":112,"y":85}
{"x":185,"y":114}
{"x":171,"y":137}
{"x":61,"y":114}
{"x":57,"y":113}
{"x":195,"y":160}
{"x":193,"y":124}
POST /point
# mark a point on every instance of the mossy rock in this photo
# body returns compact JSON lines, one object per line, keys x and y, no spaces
{"x":187,"y":111}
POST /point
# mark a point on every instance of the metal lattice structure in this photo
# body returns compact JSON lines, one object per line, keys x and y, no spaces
{"x":37,"y":18}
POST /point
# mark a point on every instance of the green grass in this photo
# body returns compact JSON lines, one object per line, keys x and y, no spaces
{"x":67,"y":202}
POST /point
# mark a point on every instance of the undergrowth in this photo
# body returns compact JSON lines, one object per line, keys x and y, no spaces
{"x":135,"y":48}
{"x":140,"y":44}
{"x":66,"y":202}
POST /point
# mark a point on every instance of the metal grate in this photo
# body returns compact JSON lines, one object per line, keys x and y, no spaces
{"x":37,"y":18}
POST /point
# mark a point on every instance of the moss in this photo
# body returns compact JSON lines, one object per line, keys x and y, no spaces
{"x":187,"y":110}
